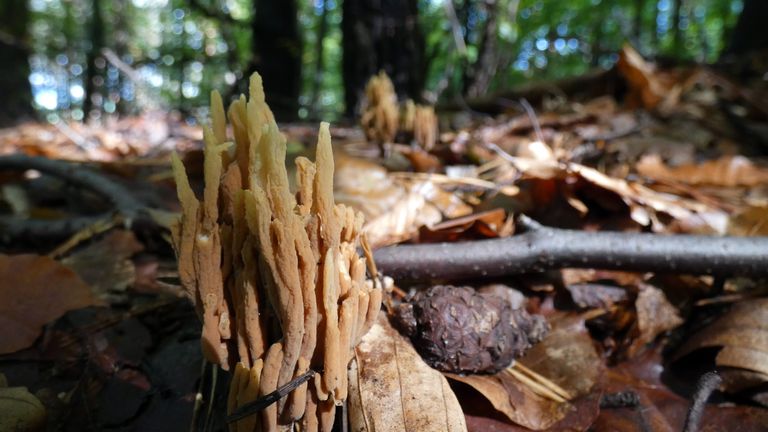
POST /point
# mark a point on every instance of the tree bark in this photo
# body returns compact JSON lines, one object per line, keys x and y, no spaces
{"x":276,"y":49}
{"x":93,"y":72}
{"x":381,"y":35}
{"x":677,"y":33}
{"x":637,"y":27}
{"x":750,"y":33}
{"x":542,"y":248}
{"x":14,"y":59}
{"x":482,"y":71}
{"x":317,"y":79}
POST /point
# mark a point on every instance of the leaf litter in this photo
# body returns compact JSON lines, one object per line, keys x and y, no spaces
{"x":664,"y":159}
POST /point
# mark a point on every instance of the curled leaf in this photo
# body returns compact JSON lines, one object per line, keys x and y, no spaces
{"x":392,"y":389}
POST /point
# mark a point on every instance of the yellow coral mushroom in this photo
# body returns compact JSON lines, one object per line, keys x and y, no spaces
{"x":275,"y":276}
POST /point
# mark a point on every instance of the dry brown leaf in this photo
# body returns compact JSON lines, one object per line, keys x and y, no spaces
{"x":655,"y":315}
{"x":640,"y":75}
{"x":752,"y":221}
{"x":743,"y":335}
{"x":728,"y":171}
{"x":105,"y":265}
{"x":392,"y":389}
{"x":21,"y":410}
{"x":35,"y":290}
{"x":488,"y":224}
{"x":648,"y":87}
{"x":402,"y":221}
{"x":516,"y":401}
{"x":645,"y":202}
{"x":567,"y":357}
{"x":365,"y":186}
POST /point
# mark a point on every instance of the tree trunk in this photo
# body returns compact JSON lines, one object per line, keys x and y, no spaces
{"x":637,"y":27}
{"x":750,"y":33}
{"x":94,"y":76}
{"x":677,"y":33}
{"x":482,"y":71}
{"x":381,"y":35}
{"x":317,"y":79}
{"x":276,"y":49}
{"x":14,"y":59}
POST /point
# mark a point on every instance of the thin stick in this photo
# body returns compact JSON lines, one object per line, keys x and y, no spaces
{"x":547,"y":248}
{"x":534,"y":386}
{"x":263,"y":402}
{"x":543,"y":380}
{"x":90,"y":231}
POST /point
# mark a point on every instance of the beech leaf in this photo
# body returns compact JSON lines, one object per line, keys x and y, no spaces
{"x":392,"y":389}
{"x":34,"y":291}
{"x":22,"y":411}
{"x":516,"y":401}
{"x":743,"y":335}
{"x":727,"y":171}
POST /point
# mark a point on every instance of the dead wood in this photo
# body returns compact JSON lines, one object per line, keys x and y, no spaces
{"x":123,"y":203}
{"x":542,"y":248}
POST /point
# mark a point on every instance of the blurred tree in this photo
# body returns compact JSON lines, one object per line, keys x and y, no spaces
{"x":276,"y":49}
{"x":94,"y":76}
{"x":319,"y":58}
{"x":381,"y":35}
{"x":750,"y":33}
{"x":14,"y":58}
{"x":479,"y":73}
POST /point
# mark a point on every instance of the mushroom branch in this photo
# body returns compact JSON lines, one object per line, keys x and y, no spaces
{"x":540,"y":248}
{"x":274,"y":275}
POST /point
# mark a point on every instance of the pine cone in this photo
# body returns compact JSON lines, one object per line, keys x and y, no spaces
{"x":457,"y":329}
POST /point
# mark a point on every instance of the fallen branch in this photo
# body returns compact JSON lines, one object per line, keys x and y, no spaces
{"x":541,"y":248}
{"x":122,"y":201}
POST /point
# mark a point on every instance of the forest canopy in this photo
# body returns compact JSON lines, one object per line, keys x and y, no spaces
{"x":85,"y":59}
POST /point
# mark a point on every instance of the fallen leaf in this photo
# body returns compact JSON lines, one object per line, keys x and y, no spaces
{"x":105,"y":265}
{"x":21,"y":410}
{"x":567,"y":356}
{"x":655,"y":315}
{"x":580,"y":418}
{"x":515,"y":400}
{"x":402,"y":221}
{"x":640,"y":76}
{"x":752,"y":221}
{"x":743,"y":335}
{"x":35,"y":290}
{"x":392,"y":389}
{"x":596,"y":295}
{"x":659,"y":408}
{"x":365,"y":186}
{"x":727,"y":171}
{"x":488,"y":224}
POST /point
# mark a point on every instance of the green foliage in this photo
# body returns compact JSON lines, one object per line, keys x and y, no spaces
{"x":174,"y":52}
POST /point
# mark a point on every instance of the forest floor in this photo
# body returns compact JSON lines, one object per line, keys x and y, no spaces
{"x":97,"y":329}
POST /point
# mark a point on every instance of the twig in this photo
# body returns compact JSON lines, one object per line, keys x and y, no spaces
{"x":543,"y":380}
{"x":707,"y":384}
{"x":545,"y":248}
{"x":101,"y":226}
{"x":121,"y":199}
{"x":267,"y":400}
{"x":534,"y":119}
{"x":534,"y":385}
